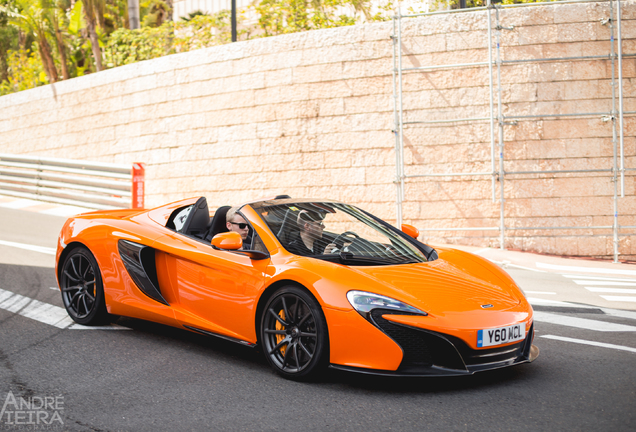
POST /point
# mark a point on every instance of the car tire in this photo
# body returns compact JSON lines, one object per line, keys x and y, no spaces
{"x":82,"y":288}
{"x":293,"y":334}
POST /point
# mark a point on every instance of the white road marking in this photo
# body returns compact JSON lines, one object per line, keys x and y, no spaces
{"x":506,"y":264}
{"x":34,"y":309}
{"x":557,"y":303}
{"x":54,"y":288}
{"x":44,"y":312}
{"x":20,"y":203}
{"x":582,"y":323}
{"x":620,"y":298}
{"x":604,"y":283}
{"x":620,"y":313}
{"x":612,"y":290}
{"x":586,"y":269}
{"x":66,"y":211}
{"x":539,"y":292}
{"x":608,"y":311}
{"x":597,"y":278}
{"x":41,"y":249}
{"x":586,"y":342}
{"x":477,"y":252}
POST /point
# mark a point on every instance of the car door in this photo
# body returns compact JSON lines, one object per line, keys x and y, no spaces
{"x":210,"y":290}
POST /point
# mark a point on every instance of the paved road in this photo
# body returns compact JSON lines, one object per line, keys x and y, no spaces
{"x":144,"y":376}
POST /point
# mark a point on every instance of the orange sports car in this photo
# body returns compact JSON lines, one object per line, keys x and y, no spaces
{"x":313,"y":284}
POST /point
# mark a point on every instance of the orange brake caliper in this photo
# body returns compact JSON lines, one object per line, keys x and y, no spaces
{"x":279,"y":337}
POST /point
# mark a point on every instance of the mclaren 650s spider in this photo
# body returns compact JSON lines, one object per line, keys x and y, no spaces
{"x":312,"y":284}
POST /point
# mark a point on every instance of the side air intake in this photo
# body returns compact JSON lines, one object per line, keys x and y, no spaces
{"x":139,"y":260}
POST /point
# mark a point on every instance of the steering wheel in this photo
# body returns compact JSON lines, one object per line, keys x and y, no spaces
{"x":345,"y":237}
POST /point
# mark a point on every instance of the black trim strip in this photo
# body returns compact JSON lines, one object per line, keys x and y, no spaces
{"x":432,"y":371}
{"x":220,"y":336}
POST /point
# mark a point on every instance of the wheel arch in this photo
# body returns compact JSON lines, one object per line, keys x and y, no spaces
{"x":67,"y":250}
{"x":267,"y":294}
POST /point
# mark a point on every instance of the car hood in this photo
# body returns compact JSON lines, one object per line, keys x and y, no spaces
{"x":456,"y":282}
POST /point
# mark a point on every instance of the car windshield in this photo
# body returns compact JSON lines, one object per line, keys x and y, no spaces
{"x":337,"y":232}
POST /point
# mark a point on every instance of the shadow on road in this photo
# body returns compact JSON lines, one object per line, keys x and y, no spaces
{"x":252,"y":359}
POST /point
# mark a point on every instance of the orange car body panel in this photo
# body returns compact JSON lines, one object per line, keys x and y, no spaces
{"x":219,"y":291}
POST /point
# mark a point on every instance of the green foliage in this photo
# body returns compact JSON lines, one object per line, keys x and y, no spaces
{"x":129,"y":46}
{"x":59,"y":33}
{"x":25,"y":71}
{"x":439,"y":5}
{"x":8,"y":41}
{"x":207,"y":30}
{"x":291,"y":16}
{"x":156,"y":13}
{"x":192,"y":15}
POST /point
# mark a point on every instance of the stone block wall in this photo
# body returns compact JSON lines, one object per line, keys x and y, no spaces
{"x":311,"y":115}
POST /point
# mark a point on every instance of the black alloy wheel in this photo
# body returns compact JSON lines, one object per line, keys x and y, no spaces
{"x":294,"y":334}
{"x":82,"y":289}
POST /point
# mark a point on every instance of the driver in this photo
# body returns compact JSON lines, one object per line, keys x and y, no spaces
{"x":309,"y":240}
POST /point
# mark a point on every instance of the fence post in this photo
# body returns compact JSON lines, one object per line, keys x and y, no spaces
{"x":138,"y":185}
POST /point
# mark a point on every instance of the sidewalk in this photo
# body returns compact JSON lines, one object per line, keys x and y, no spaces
{"x":41,"y":207}
{"x":550,"y":263}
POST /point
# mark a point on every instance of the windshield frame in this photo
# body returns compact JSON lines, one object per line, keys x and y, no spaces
{"x":358,"y":215}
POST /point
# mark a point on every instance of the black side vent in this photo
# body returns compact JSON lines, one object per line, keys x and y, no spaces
{"x":139,"y":260}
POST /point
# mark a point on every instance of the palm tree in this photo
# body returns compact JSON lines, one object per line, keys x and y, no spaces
{"x":91,"y":10}
{"x":31,"y":17}
{"x":55,"y":16}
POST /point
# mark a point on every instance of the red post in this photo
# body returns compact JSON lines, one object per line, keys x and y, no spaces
{"x":138,"y":185}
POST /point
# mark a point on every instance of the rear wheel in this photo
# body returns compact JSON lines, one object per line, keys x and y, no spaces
{"x":294,"y":334}
{"x":82,"y":289}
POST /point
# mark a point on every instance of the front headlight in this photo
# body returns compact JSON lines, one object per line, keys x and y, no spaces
{"x":365,"y":302}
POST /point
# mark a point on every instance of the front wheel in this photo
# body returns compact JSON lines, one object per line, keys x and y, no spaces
{"x":82,"y":289}
{"x":294,"y":334}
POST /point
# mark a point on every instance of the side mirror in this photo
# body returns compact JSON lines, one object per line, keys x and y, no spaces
{"x":411,"y":231}
{"x":228,"y":241}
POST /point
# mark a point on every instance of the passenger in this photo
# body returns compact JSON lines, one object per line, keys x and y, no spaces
{"x":236,"y":223}
{"x":309,"y":240}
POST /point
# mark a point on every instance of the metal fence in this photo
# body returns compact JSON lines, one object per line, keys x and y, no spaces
{"x":89,"y":184}
{"x":498,"y":120}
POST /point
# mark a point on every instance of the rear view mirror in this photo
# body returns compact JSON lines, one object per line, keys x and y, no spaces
{"x":228,"y":241}
{"x":411,"y":231}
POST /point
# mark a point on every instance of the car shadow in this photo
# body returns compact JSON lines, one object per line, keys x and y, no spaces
{"x":253,"y":360}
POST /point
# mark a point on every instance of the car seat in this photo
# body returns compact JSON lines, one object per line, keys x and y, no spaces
{"x":218,"y":224}
{"x":196,"y":225}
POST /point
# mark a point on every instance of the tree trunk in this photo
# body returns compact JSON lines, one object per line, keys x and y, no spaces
{"x":47,"y":59}
{"x":61,"y":48}
{"x":4,"y":61}
{"x":91,"y":24}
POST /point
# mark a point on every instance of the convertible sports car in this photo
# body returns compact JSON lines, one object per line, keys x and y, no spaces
{"x":312,"y":283}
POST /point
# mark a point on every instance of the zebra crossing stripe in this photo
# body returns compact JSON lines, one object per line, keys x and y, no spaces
{"x":587,"y":269}
{"x":611,"y":290}
{"x":593,"y":343}
{"x":34,"y":309}
{"x":44,"y":312}
{"x":41,"y":249}
{"x":620,"y":298}
{"x":604,"y":283}
{"x":582,"y":323}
